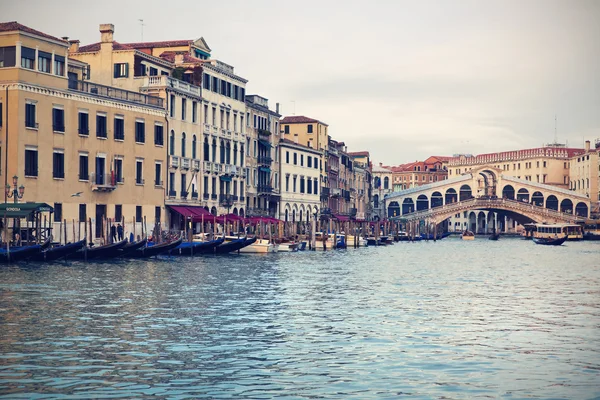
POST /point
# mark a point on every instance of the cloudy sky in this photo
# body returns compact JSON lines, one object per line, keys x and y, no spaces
{"x":402,"y":79}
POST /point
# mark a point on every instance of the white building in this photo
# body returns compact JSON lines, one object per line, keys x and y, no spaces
{"x":382,"y":185}
{"x":299,"y":181}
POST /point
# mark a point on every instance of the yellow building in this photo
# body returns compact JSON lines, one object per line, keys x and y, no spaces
{"x":84,"y":148}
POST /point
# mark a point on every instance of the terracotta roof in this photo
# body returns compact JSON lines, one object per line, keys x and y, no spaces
{"x":359,"y":153}
{"x":300,"y":119}
{"x":15,"y":26}
{"x":90,"y":48}
{"x":541,"y":151}
{"x":166,"y":43}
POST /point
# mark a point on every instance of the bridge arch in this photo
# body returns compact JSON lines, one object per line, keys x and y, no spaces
{"x":537,"y":198}
{"x":581,"y":209}
{"x":472,"y":225}
{"x":465,"y":192}
{"x":523,"y":195}
{"x":552,"y":202}
{"x":490,"y":180}
{"x":437,"y":200}
{"x":422,"y":203}
{"x":408,"y":206}
{"x":508,"y":192}
{"x":481,"y":220}
{"x":451,"y":196}
{"x":394,"y":209}
{"x":566,"y":206}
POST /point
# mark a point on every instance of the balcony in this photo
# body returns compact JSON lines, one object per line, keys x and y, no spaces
{"x":258,"y":212}
{"x":264,"y":189}
{"x":336,"y":192}
{"x":184,"y":195}
{"x":115,"y":94}
{"x":196,"y":165}
{"x":265,"y":160}
{"x":205,"y":196}
{"x":213,"y":196}
{"x":172,"y":194}
{"x":102,"y":183}
{"x":264,"y":132}
{"x":228,"y":133}
{"x":185,"y":163}
{"x":207,"y":129}
{"x":230,"y":169}
{"x":334,"y":168}
{"x":194,"y":195}
{"x":226,"y":200}
{"x":163,"y":80}
{"x":174,"y":161}
{"x":207,"y":166}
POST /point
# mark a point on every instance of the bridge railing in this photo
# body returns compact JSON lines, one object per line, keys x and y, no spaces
{"x":474,"y":203}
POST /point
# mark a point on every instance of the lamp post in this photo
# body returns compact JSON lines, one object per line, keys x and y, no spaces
{"x":16,"y":192}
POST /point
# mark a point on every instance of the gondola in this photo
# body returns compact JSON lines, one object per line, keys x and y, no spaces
{"x":21,"y":253}
{"x":152,"y":250}
{"x":192,"y":248}
{"x":58,"y":252}
{"x":495,"y":236}
{"x":550,"y":241}
{"x":131,"y":247}
{"x":234,"y":245}
{"x":101,"y":252}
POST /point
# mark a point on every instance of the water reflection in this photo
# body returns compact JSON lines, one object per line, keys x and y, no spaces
{"x":451,"y":319}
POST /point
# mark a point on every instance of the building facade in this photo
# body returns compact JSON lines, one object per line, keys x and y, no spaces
{"x":262,"y":161}
{"x":82,"y":147}
{"x":361,"y":189}
{"x":584,"y":175}
{"x":299,"y":182}
{"x":419,"y":173}
{"x":382,"y":185}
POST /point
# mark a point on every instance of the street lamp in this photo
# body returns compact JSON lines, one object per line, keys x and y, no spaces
{"x":227,"y":202}
{"x":16,"y":193}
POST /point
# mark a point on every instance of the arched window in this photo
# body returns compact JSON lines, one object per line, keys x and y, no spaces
{"x":172,"y":143}
{"x":206,"y":150}
{"x":228,"y":152}
{"x":183,"y":144}
{"x":386,"y":183}
{"x":214,"y":150}
{"x":242,"y":155}
{"x":194,"y":146}
{"x":235,"y":149}
{"x":222,"y":152}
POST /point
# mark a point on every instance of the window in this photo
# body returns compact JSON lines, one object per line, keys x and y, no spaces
{"x":30,"y":116}
{"x":295,"y":158}
{"x":214,"y":116}
{"x":58,"y":120}
{"x":206,"y":81}
{"x":57,"y":212}
{"x":138,"y":213}
{"x":8,"y":56}
{"x":27,"y":57}
{"x":316,"y":163}
{"x":183,"y":107}
{"x":172,"y":143}
{"x":310,"y":128}
{"x":153,"y":71}
{"x":31,"y":162}
{"x":119,"y":170}
{"x":172,"y":110}
{"x":82,"y":212}
{"x":309,"y":162}
{"x":183,"y":144}
{"x":315,"y":186}
{"x":544,"y":165}
{"x":194,"y":112}
{"x":118,"y":212}
{"x":206,"y":150}
{"x":194,"y":147}
{"x":158,"y":174}
{"x":44,"y":61}
{"x":286,"y":129}
{"x":140,"y":131}
{"x":1,"y":114}
{"x":119,"y":128}
{"x":294,"y":184}
{"x":287,"y":183}
{"x":302,"y":160}
{"x":101,"y":125}
{"x":84,"y":123}
{"x":183,"y":185}
{"x":171,"y":183}
{"x":121,"y":70}
{"x":84,"y":174}
{"x":139,"y":168}
{"x":156,"y":214}
{"x":58,"y":164}
{"x":309,"y":186}
{"x":158,"y":135}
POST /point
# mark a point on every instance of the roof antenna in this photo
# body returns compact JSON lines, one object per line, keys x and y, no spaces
{"x":142,"y":25}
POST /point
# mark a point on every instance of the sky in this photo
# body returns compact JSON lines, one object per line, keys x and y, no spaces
{"x":401,"y":79}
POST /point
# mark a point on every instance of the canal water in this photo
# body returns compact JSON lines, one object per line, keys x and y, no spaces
{"x":451,"y":319}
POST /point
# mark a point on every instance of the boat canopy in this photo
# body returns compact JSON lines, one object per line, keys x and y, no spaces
{"x":23,"y":210}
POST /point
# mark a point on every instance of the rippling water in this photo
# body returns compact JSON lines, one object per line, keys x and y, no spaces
{"x":450,"y":319}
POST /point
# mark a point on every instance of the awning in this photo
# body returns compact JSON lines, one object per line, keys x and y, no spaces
{"x":341,"y":218}
{"x":225,"y":178}
{"x":229,"y":218}
{"x":22,"y":210}
{"x":264,"y":143}
{"x":195,"y":213}
{"x":264,"y":220}
{"x":264,"y":169}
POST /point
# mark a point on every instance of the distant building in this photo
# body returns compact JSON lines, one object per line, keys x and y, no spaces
{"x":382,"y":185}
{"x":584,"y":175}
{"x":419,"y":173}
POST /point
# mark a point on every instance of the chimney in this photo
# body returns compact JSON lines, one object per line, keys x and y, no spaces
{"x":277,"y":108}
{"x":587,"y":146}
{"x":106,"y":33}
{"x":73,"y":46}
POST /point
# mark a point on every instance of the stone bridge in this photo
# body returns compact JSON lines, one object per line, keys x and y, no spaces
{"x":487,"y":189}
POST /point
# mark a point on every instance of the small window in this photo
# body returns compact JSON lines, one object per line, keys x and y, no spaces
{"x":183,"y":108}
{"x":119,"y":170}
{"x":59,"y":65}
{"x":295,"y":158}
{"x":138,"y":213}
{"x":302,"y":160}
{"x":58,"y":120}
{"x":140,"y":132}
{"x":172,"y":105}
{"x":82,"y":212}
{"x":121,"y":70}
{"x":101,"y":126}
{"x":44,"y":61}
{"x":159,"y":138}
{"x":286,"y":129}
{"x":31,"y":162}
{"x":194,"y":112}
{"x":58,"y":165}
{"x":310,"y":129}
{"x":84,"y":124}
{"x":118,"y":212}
{"x":119,"y":129}
{"x":84,"y":167}
{"x":139,"y":168}
{"x":57,"y":212}
{"x":30,"y":116}
{"x":27,"y":57}
{"x":157,"y":215}
{"x":157,"y":174}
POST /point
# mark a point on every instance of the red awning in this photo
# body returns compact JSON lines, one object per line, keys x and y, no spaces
{"x":341,"y":218}
{"x":264,"y":220}
{"x":229,"y":218}
{"x":183,"y":211}
{"x":195,"y":213}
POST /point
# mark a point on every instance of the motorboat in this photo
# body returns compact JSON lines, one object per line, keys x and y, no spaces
{"x":287,"y":247}
{"x":259,"y":246}
{"x":468,"y":235}
{"x":362,"y":242}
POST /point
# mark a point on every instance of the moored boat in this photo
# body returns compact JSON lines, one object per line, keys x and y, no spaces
{"x":152,"y":249}
{"x":550,"y":241}
{"x":234,"y":245}
{"x":468,"y":235}
{"x":259,"y":246}
{"x":495,"y":236}
{"x":288,"y":247}
{"x":58,"y":252}
{"x":106,"y":251}
{"x":22,"y":252}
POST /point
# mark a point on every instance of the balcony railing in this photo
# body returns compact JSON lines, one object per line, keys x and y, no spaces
{"x":264,"y":132}
{"x":336,"y":192}
{"x":172,"y":193}
{"x":231,"y":169}
{"x":207,"y":129}
{"x":195,"y":195}
{"x":163,"y":80}
{"x":205,"y":196}
{"x":207,"y":166}
{"x":264,"y":189}
{"x":117,"y":94}
{"x":196,"y":165}
{"x":265,"y":160}
{"x":102,"y":183}
{"x":184,"y":195}
{"x":185,"y":163}
{"x":174,"y":161}
{"x":213,"y":196}
{"x":259,"y":212}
